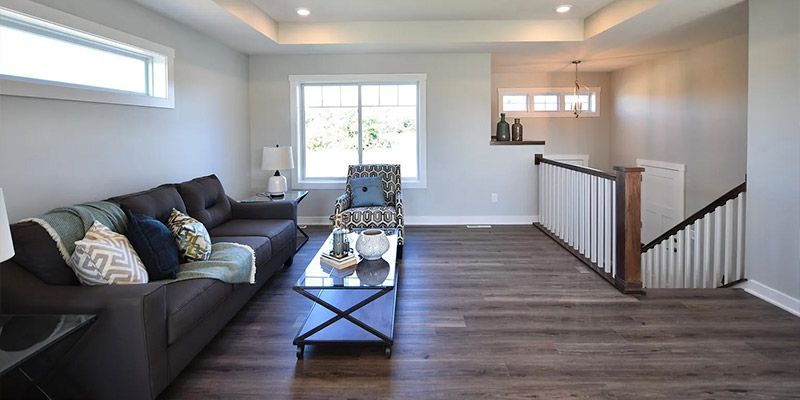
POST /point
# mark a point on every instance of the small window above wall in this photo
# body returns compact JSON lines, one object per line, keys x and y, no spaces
{"x":547,"y":102}
{"x":50,"y":54}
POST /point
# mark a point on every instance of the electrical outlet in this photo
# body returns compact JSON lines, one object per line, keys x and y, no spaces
{"x":494,"y":197}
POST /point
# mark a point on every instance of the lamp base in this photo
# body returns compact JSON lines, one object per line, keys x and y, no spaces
{"x":276,"y":186}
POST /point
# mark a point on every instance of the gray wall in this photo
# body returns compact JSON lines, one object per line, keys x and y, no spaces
{"x":773,"y":147}
{"x":55,"y":152}
{"x":688,"y":107}
{"x":462,"y":168}
{"x":586,"y":135}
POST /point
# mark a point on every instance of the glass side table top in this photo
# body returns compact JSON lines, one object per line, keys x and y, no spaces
{"x":367,"y":274}
{"x":24,"y":336}
{"x":292,"y":195}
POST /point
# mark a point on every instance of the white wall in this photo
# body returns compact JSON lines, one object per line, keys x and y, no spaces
{"x":773,"y":152}
{"x":688,"y":107}
{"x":463,"y":170}
{"x":55,"y":152}
{"x":585,"y":135}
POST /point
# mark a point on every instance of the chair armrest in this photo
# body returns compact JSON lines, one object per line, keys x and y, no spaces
{"x":398,"y":205}
{"x":342,"y":203}
{"x":123,"y":352}
{"x":264,"y":210}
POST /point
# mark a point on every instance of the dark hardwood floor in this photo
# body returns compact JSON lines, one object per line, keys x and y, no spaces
{"x":507,"y":313}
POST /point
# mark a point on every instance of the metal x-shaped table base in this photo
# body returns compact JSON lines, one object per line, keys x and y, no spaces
{"x":347,"y":314}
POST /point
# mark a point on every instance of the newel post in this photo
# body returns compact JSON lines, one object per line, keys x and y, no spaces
{"x":629,"y":229}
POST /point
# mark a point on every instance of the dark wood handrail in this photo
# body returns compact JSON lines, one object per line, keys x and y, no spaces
{"x":730,"y":195}
{"x":539,"y":158}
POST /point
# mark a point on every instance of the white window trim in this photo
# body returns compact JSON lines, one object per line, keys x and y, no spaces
{"x":560,"y":91}
{"x":295,"y":83}
{"x":24,"y":87}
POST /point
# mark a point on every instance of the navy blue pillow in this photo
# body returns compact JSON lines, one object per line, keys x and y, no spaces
{"x":155,"y":245}
{"x":367,"y":192}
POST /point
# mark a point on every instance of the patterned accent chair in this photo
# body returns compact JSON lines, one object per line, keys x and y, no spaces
{"x":389,"y":216}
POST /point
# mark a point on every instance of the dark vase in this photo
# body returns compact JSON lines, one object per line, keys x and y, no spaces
{"x":516,"y":131}
{"x":503,"y":129}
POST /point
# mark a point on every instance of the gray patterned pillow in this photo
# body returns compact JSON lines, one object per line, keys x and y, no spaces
{"x":104,"y":257}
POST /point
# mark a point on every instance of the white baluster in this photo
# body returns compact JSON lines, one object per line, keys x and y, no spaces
{"x":680,"y":267}
{"x":670,"y":270}
{"x":593,"y":219}
{"x":718,"y":238}
{"x":600,"y":224}
{"x":687,"y":256}
{"x":607,"y":224}
{"x":740,"y":208}
{"x":613,"y":228}
{"x":697,"y":278}
{"x":728,"y":267}
{"x":708,"y":278}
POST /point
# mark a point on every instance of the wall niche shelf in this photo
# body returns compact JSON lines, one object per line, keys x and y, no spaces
{"x":494,"y":142}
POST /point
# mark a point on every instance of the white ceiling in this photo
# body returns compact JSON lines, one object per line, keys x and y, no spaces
{"x":607,"y":34}
{"x":425,"y":10}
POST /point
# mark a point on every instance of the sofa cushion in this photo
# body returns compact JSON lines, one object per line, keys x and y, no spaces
{"x":206,"y":200}
{"x":194,"y":242}
{"x":260,"y":245}
{"x":104,"y":257}
{"x":188,"y":301}
{"x":36,"y":252}
{"x":157,"y":202}
{"x":155,"y":245}
{"x":280,"y":232}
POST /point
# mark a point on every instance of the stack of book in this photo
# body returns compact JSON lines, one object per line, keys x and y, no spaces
{"x":338,"y":263}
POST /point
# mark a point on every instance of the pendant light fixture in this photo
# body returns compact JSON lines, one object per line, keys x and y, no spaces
{"x":577,"y":105}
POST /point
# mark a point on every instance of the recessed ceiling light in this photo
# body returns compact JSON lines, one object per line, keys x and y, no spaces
{"x":303,"y":12}
{"x":562,"y":8}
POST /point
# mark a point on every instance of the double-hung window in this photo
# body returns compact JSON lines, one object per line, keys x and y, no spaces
{"x":548,"y":102}
{"x":340,"y":120}
{"x":48,"y":53}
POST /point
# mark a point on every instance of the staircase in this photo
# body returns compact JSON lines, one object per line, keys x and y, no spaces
{"x":597,"y":217}
{"x":704,"y":251}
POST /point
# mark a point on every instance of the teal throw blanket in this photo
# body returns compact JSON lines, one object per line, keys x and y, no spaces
{"x":229,"y":262}
{"x":67,"y":225}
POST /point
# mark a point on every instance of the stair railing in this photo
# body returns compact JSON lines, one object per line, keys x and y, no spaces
{"x":596,"y":216}
{"x":704,"y":251}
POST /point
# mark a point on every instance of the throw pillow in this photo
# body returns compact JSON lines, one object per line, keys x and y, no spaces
{"x":194,"y":242}
{"x":155,"y":245}
{"x":104,"y":257}
{"x":367,"y":192}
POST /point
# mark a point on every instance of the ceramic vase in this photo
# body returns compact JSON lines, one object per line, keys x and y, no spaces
{"x":503,"y":129}
{"x":372,"y":244}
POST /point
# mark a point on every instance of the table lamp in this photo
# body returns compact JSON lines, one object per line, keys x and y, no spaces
{"x":276,"y":158}
{"x":6,"y":246}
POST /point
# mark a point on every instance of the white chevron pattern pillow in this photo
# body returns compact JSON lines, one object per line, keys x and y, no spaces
{"x":104,"y":257}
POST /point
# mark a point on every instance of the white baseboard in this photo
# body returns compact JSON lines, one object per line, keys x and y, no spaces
{"x":772,"y":296}
{"x":445,"y":220}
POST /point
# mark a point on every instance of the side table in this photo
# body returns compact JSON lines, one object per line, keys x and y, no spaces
{"x":25,"y":337}
{"x":294,"y":196}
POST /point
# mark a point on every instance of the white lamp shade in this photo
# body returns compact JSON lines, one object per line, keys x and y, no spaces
{"x":6,"y":246}
{"x":277,"y":158}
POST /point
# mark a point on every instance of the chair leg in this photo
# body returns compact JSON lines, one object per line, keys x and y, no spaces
{"x":400,"y":251}
{"x":288,"y":262}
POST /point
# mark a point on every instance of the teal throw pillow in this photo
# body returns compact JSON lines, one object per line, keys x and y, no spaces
{"x":367,"y":192}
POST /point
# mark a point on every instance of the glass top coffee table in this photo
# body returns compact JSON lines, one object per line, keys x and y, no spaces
{"x":351,"y":306}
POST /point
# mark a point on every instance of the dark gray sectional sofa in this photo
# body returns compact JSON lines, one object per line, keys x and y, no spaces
{"x":146,"y":334}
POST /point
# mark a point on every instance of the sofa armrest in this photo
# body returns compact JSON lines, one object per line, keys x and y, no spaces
{"x":264,"y":210}
{"x":124,"y":353}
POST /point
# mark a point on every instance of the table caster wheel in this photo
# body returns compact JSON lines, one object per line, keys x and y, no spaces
{"x":387,"y":352}
{"x":300,"y":350}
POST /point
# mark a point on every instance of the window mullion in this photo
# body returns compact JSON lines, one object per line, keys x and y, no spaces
{"x":360,"y":132}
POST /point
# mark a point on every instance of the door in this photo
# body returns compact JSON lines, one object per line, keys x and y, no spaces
{"x":574,"y":159}
{"x":662,"y":197}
